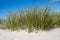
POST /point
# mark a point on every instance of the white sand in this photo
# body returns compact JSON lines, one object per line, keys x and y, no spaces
{"x":22,"y":35}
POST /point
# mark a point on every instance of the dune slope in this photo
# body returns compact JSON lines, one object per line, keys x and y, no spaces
{"x":23,"y":35}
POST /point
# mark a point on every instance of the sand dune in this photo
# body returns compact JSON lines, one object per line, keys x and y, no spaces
{"x":23,"y":35}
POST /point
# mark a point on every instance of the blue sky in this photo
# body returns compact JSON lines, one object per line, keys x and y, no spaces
{"x":6,"y":6}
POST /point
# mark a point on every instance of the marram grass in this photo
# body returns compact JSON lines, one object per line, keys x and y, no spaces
{"x":32,"y":19}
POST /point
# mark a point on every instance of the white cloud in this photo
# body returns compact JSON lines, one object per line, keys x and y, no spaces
{"x":55,"y":0}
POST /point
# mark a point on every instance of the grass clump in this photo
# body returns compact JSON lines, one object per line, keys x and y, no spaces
{"x":32,"y":19}
{"x":12,"y":22}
